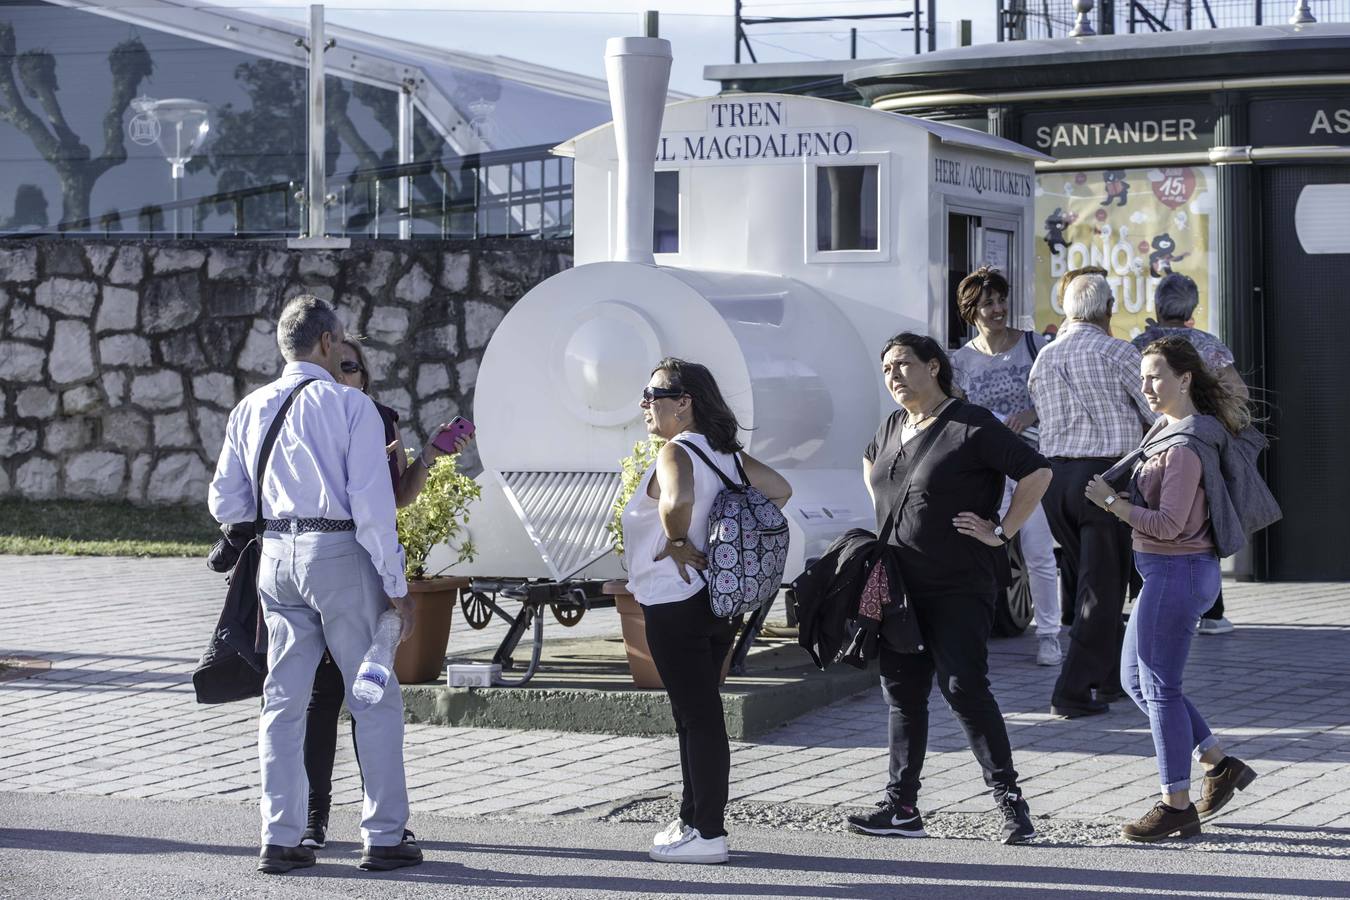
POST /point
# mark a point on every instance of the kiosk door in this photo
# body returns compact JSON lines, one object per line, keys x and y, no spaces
{"x":974,"y":239}
{"x":1307,"y":266}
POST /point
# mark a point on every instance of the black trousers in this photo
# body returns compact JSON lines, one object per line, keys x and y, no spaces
{"x":689,"y":645}
{"x":321,"y":728}
{"x":956,"y":635}
{"x":1094,"y":569}
{"x":1215,"y":611}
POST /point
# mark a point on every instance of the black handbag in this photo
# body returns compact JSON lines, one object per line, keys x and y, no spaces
{"x":234,"y":665}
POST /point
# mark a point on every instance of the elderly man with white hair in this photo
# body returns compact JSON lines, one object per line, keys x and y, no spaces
{"x":331,"y":564}
{"x":1086,"y":389}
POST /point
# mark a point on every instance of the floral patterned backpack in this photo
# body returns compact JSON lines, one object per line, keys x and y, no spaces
{"x":747,"y":545}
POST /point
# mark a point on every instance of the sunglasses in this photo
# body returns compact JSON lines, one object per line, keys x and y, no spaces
{"x":351,"y":368}
{"x":651,"y":395}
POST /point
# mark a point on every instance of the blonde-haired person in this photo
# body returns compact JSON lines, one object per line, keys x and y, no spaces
{"x":992,"y":370}
{"x":1184,"y":511}
{"x":1175,"y":301}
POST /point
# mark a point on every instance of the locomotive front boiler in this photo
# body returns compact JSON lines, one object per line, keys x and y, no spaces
{"x":557,"y":402}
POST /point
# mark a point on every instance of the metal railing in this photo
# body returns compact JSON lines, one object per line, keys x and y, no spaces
{"x":526,"y":192}
{"x":1039,"y":19}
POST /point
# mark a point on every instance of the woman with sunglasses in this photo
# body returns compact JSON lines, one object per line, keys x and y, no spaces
{"x":329,"y":690}
{"x":665,"y":529}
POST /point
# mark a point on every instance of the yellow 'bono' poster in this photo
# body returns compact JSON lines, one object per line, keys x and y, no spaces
{"x":1138,"y":224}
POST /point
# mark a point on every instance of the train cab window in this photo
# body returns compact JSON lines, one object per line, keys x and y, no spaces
{"x":846,"y":208}
{"x":666,"y":222}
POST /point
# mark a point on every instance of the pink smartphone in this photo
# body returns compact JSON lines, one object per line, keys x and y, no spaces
{"x":459,"y":427}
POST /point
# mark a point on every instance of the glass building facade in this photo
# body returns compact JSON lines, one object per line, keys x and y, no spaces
{"x":81,"y":93}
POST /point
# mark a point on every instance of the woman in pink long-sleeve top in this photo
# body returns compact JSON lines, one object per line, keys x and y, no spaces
{"x":1174,"y":549}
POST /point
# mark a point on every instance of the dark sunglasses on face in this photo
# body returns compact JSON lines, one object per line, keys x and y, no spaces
{"x":351,"y":368}
{"x":650,"y":395}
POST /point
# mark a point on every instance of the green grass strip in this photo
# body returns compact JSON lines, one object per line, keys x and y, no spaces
{"x":90,"y":528}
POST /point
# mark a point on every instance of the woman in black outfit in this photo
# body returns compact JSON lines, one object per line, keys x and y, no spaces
{"x":950,"y":545}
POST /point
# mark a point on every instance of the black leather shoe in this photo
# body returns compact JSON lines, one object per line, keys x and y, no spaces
{"x":1077,"y":709}
{"x":276,"y":859}
{"x":399,"y":856}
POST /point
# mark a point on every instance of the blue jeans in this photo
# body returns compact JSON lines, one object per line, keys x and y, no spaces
{"x":1177,"y":591}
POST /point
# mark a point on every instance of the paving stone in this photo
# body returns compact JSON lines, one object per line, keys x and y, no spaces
{"x":145,"y":739}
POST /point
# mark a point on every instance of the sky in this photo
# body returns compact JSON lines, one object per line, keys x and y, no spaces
{"x":570,"y":35}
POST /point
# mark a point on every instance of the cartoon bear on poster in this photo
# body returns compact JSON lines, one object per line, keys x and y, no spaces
{"x":1055,"y":223}
{"x":1161,"y":259}
{"x":1117,"y":188}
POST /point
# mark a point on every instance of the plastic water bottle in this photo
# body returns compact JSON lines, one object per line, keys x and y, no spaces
{"x":373,"y":675}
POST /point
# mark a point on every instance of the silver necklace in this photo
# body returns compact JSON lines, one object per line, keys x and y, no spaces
{"x":925,"y":416}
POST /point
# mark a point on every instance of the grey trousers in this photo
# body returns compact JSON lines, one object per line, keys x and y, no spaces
{"x":321,"y":589}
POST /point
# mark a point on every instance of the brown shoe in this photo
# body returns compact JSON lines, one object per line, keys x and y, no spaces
{"x":1161,"y":822}
{"x":1218,"y":789}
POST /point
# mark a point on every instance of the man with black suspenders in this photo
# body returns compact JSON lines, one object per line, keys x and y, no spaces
{"x":331,"y":563}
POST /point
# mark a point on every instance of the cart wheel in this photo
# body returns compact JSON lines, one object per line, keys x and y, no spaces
{"x":567,"y":614}
{"x":477,"y":612}
{"x":1016,"y":606}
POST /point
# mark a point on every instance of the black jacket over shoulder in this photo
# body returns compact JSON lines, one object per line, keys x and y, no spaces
{"x":827,"y":596}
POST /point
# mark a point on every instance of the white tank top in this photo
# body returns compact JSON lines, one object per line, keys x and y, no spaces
{"x":653,"y":582}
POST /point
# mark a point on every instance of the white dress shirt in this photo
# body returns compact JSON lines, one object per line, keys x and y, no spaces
{"x":328,"y":462}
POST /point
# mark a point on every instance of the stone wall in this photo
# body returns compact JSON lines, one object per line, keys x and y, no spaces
{"x":120,"y":360}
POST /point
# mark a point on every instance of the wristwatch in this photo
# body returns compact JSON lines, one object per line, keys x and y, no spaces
{"x":1110,"y":498}
{"x":678,"y":542}
{"x":1001,"y":534}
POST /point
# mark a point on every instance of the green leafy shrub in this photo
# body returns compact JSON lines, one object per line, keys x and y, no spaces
{"x":438,"y":514}
{"x":633,"y":467}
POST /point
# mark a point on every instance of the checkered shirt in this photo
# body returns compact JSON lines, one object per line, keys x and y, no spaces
{"x":1085,"y":385}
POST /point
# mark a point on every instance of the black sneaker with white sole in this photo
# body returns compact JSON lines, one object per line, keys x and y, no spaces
{"x":1017,"y":826}
{"x":889,"y":820}
{"x":316,"y":832}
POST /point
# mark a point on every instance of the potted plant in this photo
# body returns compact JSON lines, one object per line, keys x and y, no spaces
{"x":634,"y":625}
{"x":437,"y":515}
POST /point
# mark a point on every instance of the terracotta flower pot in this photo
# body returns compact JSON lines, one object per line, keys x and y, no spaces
{"x":422,"y":656}
{"x":634,"y":625}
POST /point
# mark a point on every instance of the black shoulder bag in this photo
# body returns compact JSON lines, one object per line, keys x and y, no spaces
{"x":235,"y":662}
{"x":898,"y":623}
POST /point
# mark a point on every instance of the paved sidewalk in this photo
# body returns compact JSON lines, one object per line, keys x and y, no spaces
{"x":115,"y":716}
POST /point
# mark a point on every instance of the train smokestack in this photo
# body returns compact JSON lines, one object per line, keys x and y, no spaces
{"x":638,"y":70}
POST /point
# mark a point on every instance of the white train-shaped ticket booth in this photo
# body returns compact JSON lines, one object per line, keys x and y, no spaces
{"x":780,"y":242}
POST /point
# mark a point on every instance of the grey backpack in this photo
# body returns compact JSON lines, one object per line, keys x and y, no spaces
{"x":747,"y":545}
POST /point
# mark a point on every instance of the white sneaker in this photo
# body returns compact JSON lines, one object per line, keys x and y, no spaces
{"x":670,"y":834}
{"x":1047,"y":651}
{"x":691,"y":847}
{"x":1215,"y":626}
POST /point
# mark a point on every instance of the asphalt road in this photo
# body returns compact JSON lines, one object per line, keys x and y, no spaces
{"x":101,"y":848}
